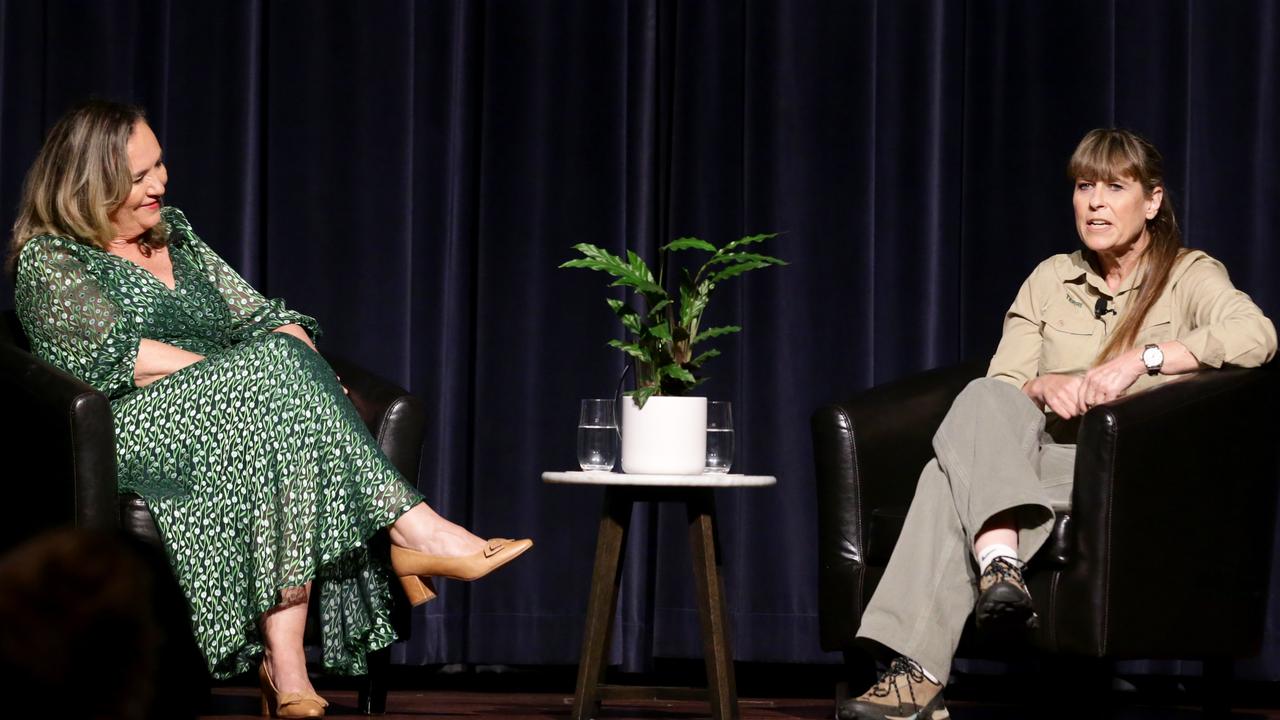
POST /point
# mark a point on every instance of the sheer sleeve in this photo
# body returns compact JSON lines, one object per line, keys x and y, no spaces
{"x":72,"y":321}
{"x":251,"y":313}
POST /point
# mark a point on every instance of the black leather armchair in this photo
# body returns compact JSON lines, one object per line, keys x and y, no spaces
{"x":1134,"y":568}
{"x":61,"y":430}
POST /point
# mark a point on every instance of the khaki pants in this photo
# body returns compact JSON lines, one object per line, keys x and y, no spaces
{"x":991,"y":454}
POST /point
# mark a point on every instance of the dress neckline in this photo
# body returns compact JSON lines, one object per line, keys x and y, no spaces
{"x":173,"y":266}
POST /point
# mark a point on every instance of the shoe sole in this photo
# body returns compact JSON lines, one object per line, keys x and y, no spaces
{"x":1005,"y":606}
{"x":939,"y":713}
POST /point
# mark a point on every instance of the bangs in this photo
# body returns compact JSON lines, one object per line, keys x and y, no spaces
{"x":1104,"y":156}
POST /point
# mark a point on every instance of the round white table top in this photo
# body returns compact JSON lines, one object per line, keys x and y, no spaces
{"x":577,"y":477}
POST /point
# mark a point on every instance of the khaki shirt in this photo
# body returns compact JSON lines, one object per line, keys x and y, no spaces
{"x":1051,"y":326}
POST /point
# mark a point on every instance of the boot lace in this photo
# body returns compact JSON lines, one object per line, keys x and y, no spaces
{"x":1003,"y":569}
{"x":900,"y":667}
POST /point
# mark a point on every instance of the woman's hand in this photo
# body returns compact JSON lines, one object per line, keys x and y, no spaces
{"x":158,"y":360}
{"x":1060,"y":392}
{"x":1109,"y":380}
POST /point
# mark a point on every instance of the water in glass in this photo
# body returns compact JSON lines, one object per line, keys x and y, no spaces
{"x":597,"y":436}
{"x":719,"y":450}
{"x":719,"y":437}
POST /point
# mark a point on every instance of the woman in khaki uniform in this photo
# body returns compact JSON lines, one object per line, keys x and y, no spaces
{"x":1130,"y":310}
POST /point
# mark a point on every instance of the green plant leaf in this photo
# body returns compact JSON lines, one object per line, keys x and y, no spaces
{"x":693,"y":301}
{"x":734,"y":257}
{"x":638,"y":277}
{"x":642,"y":395}
{"x":646,"y":287}
{"x":632,"y":349}
{"x":631,"y":319}
{"x":638,"y":266}
{"x":675,"y":371}
{"x":715,"y":332}
{"x":697,"y":362}
{"x":621,"y":309}
{"x":689,"y":243}
{"x":658,"y":307}
{"x":748,"y":240}
{"x":595,"y":258}
{"x":735,"y":270}
{"x":662,"y":334}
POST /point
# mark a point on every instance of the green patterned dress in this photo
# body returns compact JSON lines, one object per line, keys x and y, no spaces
{"x":259,"y":472}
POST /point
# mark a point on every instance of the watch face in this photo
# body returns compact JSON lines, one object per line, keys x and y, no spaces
{"x":1152,"y":356}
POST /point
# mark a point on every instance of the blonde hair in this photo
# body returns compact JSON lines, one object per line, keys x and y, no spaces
{"x":80,"y":177}
{"x":1108,"y":154}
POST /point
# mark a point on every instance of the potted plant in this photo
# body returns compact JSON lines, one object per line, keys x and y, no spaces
{"x":663,"y":428}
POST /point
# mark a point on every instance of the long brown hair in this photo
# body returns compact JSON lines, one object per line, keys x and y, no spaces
{"x":1108,"y":154}
{"x":80,"y":177}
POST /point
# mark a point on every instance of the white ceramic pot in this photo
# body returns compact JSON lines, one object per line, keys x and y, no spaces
{"x":667,"y":437}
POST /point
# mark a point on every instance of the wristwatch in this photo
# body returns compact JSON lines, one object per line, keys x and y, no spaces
{"x":1153,"y":358}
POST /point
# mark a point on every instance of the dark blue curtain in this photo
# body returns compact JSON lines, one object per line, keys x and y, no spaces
{"x":413,"y":172}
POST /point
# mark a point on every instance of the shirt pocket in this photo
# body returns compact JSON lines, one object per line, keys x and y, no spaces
{"x":1157,"y":326}
{"x":1068,"y":345}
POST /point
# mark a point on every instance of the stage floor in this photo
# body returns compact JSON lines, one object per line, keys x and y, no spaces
{"x":232,"y":703}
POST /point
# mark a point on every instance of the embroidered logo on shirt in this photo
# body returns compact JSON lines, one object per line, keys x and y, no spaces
{"x":1074,"y":301}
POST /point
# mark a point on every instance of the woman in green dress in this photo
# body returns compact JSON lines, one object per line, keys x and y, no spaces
{"x":259,"y":473}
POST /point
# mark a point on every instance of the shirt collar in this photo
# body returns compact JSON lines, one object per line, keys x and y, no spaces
{"x":1074,"y":268}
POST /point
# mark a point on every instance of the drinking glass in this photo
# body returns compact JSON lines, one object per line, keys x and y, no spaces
{"x":597,"y":436}
{"x":719,"y":436}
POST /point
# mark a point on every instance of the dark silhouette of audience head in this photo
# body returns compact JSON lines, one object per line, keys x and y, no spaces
{"x":81,"y":633}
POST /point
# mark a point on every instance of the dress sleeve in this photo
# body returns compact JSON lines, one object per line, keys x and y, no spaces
{"x":72,"y":321}
{"x":1227,"y":327}
{"x":1017,"y":358}
{"x":251,"y":313}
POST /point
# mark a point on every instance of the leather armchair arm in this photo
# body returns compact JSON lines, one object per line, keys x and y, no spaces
{"x":1175,"y":492}
{"x":396,"y":419}
{"x":868,"y":452}
{"x":68,"y":423}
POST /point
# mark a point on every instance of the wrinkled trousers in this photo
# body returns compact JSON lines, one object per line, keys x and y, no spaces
{"x":991,"y":454}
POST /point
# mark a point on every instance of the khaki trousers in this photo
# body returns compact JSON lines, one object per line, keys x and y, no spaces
{"x":991,"y":454}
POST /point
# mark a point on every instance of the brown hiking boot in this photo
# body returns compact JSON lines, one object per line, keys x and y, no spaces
{"x":902,"y":693}
{"x":1003,"y":600}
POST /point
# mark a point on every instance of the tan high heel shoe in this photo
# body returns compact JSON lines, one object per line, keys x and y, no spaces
{"x":287,"y":705}
{"x":415,"y":568}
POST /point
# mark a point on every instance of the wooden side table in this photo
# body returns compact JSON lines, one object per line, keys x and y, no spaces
{"x":622,"y":491}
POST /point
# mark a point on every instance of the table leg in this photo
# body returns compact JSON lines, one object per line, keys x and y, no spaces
{"x":615,"y":518}
{"x":721,"y":689}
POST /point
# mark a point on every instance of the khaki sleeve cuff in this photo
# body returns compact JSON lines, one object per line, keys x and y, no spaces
{"x":1205,"y":347}
{"x":1014,"y":381}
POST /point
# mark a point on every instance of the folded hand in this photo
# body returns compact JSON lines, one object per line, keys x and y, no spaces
{"x":1060,"y":392}
{"x":1109,"y":380}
